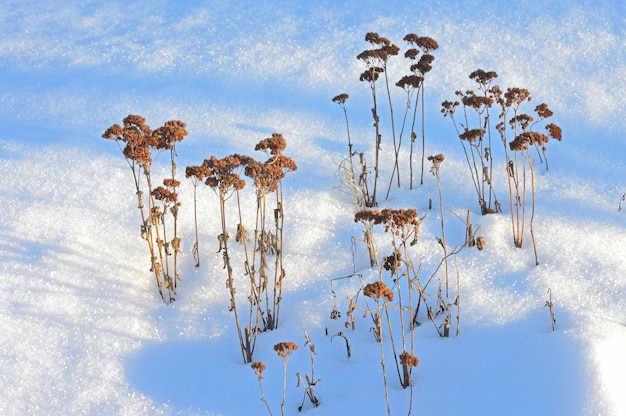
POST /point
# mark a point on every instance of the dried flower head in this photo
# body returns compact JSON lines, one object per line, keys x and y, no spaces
{"x":423,"y":66}
{"x":514,"y":97}
{"x":470,"y":135}
{"x":523,"y":120}
{"x":341,"y":98}
{"x":378,"y":290}
{"x":554,"y":131}
{"x":436,"y":159}
{"x":369,"y":217}
{"x":221,"y":172}
{"x":527,"y":138}
{"x":409,"y":359}
{"x":198,"y":172}
{"x":275,"y":144}
{"x":483,"y":77}
{"x":284,"y":349}
{"x":448,"y":107}
{"x":543,"y":111}
{"x":258,"y":368}
{"x":427,"y":44}
{"x":164,"y":194}
{"x":393,"y":262}
{"x":408,"y":82}
{"x":399,"y":218}
{"x":172,"y":183}
{"x":172,"y":132}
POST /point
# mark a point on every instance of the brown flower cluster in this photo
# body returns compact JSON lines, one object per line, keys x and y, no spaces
{"x":554,"y":131}
{"x":220,"y":173}
{"x":449,"y":107}
{"x":423,"y":66}
{"x":376,"y":59}
{"x":371,"y":74}
{"x":523,"y":120}
{"x":275,"y":144}
{"x":543,"y":111}
{"x":258,"y":368}
{"x":477,"y":102}
{"x":164,"y":194}
{"x":470,"y":135}
{"x":341,"y":98}
{"x":426,"y":45}
{"x":436,"y":159}
{"x":527,"y":138}
{"x":409,"y":359}
{"x":284,"y":349}
{"x":198,"y":172}
{"x":408,"y":82}
{"x":394,"y":218}
{"x":139,"y":138}
{"x":378,"y":290}
{"x":514,"y":97}
{"x":266,"y":176}
{"x":483,"y":77}
{"x":172,"y":183}
{"x":423,"y":42}
{"x":393,"y":262}
{"x":171,"y":133}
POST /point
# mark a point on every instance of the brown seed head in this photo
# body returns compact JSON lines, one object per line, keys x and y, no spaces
{"x":284,"y":349}
{"x":483,"y":77}
{"x":378,"y":290}
{"x":554,"y":131}
{"x":341,"y":98}
{"x":409,"y":359}
{"x":471,"y":135}
{"x":258,"y":368}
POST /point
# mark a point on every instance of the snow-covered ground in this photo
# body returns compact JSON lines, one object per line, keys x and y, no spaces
{"x":83,"y":328}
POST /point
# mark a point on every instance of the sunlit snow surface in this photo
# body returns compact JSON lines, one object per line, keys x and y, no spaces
{"x":83,"y":329}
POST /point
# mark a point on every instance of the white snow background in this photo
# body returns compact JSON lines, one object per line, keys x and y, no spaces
{"x":82,"y":328}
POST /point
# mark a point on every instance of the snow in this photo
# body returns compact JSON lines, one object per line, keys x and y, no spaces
{"x":83,"y":328}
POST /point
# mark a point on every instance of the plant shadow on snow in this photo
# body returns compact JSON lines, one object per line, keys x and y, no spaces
{"x":517,"y":368}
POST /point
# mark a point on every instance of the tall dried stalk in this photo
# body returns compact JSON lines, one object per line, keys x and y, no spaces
{"x":142,"y":146}
{"x":265,"y":294}
{"x":381,"y":295}
{"x":436,"y":161}
{"x":521,"y":165}
{"x":476,"y":142}
{"x":284,"y":350}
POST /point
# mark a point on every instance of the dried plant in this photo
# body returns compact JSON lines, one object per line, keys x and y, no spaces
{"x":413,"y":85}
{"x":549,"y":304}
{"x":435,"y":170}
{"x":224,"y":177}
{"x":381,"y":294}
{"x":140,"y":146}
{"x":310,"y":380}
{"x":375,"y":59}
{"x":284,"y":350}
{"x":198,"y":175}
{"x":258,"y":368}
{"x":477,"y":141}
{"x":267,"y":178}
{"x":525,"y":147}
{"x":345,"y":338}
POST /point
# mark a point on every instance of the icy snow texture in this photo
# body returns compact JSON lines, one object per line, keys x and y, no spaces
{"x":83,"y":329}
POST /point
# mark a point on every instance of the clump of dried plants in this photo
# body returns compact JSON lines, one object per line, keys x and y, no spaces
{"x":262,"y":250}
{"x":158,"y":205}
{"x":376,"y":58}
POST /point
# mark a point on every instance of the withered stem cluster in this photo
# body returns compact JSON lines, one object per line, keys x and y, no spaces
{"x":140,"y":146}
{"x":375,"y":58}
{"x":265,"y":277}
